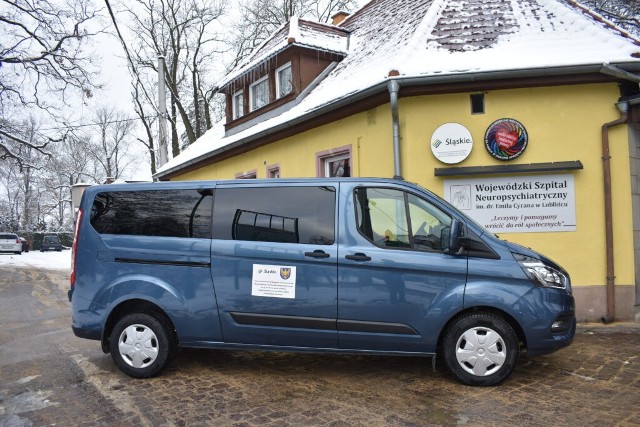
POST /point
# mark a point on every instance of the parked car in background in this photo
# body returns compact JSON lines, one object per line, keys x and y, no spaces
{"x":25,"y":244}
{"x":51,"y":243}
{"x":9,"y":242}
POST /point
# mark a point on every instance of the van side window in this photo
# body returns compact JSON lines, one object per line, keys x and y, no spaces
{"x":276,"y":214}
{"x":168,"y":213}
{"x":397,"y":219}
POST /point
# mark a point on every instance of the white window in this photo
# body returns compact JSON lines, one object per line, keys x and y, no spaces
{"x":337,"y":166}
{"x":273,"y":171}
{"x":334,"y":163}
{"x":238,"y":104}
{"x":259,"y":93}
{"x":283,"y":81}
{"x":252,"y":174}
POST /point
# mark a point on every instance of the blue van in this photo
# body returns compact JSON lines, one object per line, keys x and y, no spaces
{"x":345,"y":265}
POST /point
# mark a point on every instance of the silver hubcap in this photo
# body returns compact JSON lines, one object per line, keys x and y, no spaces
{"x":138,"y":346}
{"x":481,"y":351}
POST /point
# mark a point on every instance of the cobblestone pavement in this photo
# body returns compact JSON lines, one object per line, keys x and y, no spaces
{"x":50,"y":377}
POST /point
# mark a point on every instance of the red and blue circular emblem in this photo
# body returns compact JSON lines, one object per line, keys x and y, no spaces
{"x":506,"y":139}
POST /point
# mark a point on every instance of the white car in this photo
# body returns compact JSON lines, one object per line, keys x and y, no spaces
{"x":10,"y":242}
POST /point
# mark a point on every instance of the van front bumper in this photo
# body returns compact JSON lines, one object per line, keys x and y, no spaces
{"x":554,"y":341}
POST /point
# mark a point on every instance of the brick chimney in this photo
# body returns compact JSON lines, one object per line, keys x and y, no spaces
{"x":339,"y":17}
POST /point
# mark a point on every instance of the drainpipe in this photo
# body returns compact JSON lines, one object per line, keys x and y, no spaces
{"x":394,"y":88}
{"x":608,"y":211}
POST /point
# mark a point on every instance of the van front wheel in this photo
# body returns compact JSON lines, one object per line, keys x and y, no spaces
{"x":481,"y":349}
{"x":140,"y":345}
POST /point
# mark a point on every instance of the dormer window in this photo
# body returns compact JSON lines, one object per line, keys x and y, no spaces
{"x":238,"y":105}
{"x":259,"y":93}
{"x":276,"y":77}
{"x":284,"y":84}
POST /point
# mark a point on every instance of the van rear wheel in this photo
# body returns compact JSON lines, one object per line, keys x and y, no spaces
{"x":141,"y":345}
{"x":481,"y":349}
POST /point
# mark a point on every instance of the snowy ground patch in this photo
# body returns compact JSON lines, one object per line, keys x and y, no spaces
{"x":36,"y":259}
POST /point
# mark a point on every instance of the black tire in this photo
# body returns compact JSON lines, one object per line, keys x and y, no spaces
{"x":147,"y":345}
{"x":480,"y":349}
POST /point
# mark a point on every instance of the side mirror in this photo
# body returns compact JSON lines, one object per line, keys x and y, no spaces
{"x":455,"y":234}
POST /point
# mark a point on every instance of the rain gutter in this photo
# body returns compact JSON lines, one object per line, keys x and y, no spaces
{"x":382,"y":86}
{"x":623,"y":107}
{"x":394,"y":88}
{"x":608,"y":213}
{"x":617,"y":72}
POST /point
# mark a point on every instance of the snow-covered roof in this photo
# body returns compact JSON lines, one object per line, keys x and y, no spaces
{"x":436,"y":40}
{"x":299,"y":32}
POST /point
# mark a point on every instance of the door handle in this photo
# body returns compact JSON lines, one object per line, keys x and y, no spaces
{"x":317,"y":254}
{"x":358,"y":257}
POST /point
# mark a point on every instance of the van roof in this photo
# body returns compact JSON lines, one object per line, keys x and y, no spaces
{"x":240,"y":182}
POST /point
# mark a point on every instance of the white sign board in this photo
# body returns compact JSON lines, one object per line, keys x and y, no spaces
{"x":517,"y":204}
{"x":275,"y":281}
{"x":451,"y":143}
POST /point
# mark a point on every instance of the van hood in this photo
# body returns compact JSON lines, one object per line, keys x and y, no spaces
{"x":519,"y":249}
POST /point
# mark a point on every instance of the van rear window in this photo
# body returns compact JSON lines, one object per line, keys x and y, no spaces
{"x":276,"y":214}
{"x":168,"y":213}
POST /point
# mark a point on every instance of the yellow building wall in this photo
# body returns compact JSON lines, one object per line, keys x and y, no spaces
{"x":563,"y":124}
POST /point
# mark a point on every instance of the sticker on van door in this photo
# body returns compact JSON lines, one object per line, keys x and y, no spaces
{"x":275,"y":281}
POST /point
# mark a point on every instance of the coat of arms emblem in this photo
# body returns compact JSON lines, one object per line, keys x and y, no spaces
{"x":285,"y":272}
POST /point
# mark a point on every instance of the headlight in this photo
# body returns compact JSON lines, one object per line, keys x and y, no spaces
{"x":542,"y":274}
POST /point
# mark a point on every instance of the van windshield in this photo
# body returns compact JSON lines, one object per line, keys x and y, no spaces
{"x":466,"y":217}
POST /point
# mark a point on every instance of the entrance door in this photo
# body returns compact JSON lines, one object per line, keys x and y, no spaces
{"x":396,"y":282}
{"x":274,"y":264}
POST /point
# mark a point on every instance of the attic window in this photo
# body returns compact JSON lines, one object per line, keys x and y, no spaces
{"x":477,"y":103}
{"x":283,"y":81}
{"x":238,"y":105}
{"x":259,"y":93}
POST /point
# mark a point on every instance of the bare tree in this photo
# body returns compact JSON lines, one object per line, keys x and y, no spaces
{"x":72,"y":164}
{"x":42,"y":53}
{"x":184,"y":33}
{"x":625,"y":13}
{"x":10,"y":200}
{"x":28,"y":179}
{"x":55,"y":203}
{"x":108,"y":146}
{"x":141,"y":100}
{"x":21,"y":182}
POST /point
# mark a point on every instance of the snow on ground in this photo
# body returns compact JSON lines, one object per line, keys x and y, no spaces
{"x":49,"y":260}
